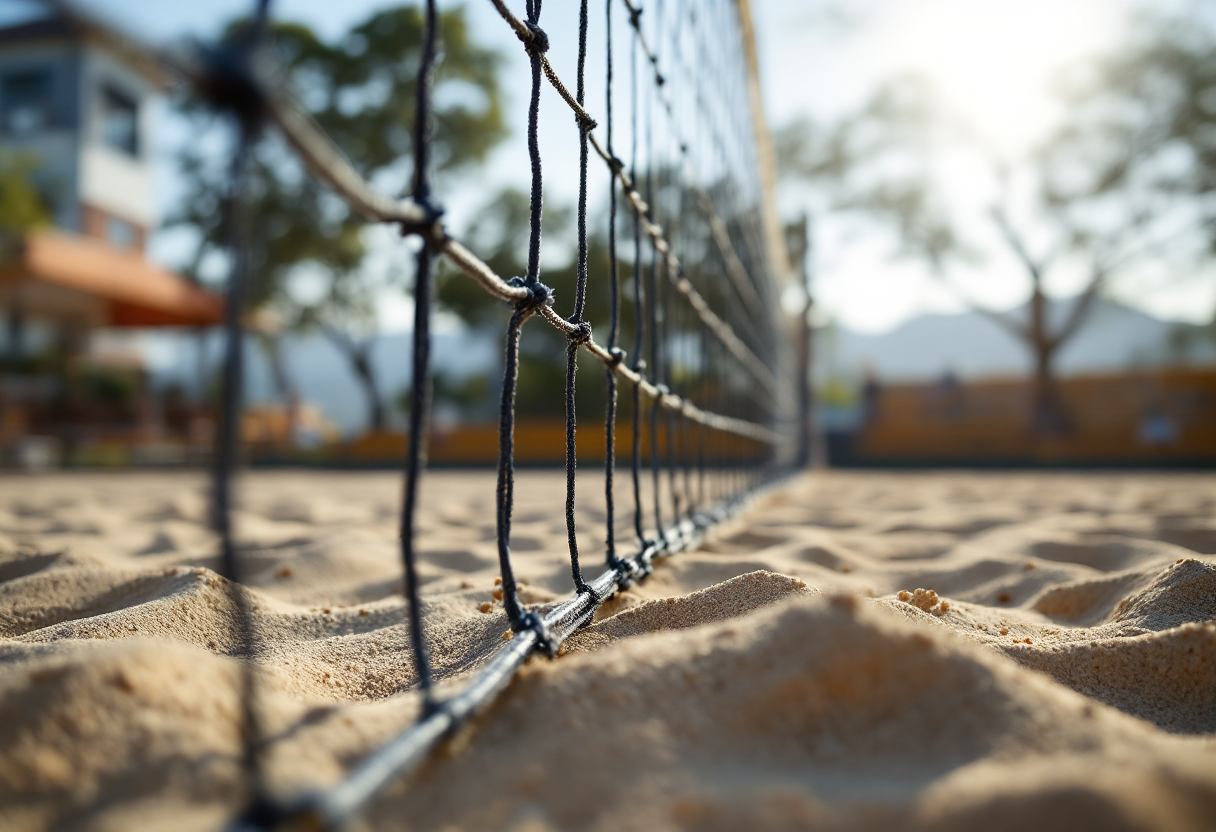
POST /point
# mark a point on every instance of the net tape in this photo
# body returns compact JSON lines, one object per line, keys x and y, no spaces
{"x":239,"y":78}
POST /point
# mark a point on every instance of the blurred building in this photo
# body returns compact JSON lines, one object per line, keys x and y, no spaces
{"x":75,"y":106}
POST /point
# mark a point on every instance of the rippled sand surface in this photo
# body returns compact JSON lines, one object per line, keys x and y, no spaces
{"x":1057,"y":668}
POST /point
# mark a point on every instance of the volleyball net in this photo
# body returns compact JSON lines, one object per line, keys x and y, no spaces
{"x":695,"y":350}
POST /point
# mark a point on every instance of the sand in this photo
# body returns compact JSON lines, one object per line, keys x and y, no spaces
{"x":1056,"y":670}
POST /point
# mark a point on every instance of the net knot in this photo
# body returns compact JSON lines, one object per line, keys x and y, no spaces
{"x":229,"y":81}
{"x":581,"y":334}
{"x":616,"y":356}
{"x":616,"y":165}
{"x":530,"y":621}
{"x":430,"y":228}
{"x":635,"y":16}
{"x":663,"y":390}
{"x":538,"y":41}
{"x":639,"y":366}
{"x":624,"y":572}
{"x":646,"y":558}
{"x":538,"y":293}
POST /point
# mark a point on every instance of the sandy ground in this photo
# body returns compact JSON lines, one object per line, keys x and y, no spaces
{"x":1062,"y":674}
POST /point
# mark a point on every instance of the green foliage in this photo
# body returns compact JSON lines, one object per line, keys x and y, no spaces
{"x":361,"y":91}
{"x":469,"y":396}
{"x":110,"y":386}
{"x":22,"y":206}
{"x":836,"y":392}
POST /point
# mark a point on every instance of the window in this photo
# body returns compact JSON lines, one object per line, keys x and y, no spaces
{"x":25,"y":102}
{"x":120,"y":233}
{"x":119,"y":122}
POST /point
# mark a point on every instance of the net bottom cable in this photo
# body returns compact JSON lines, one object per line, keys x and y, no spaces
{"x":332,"y":808}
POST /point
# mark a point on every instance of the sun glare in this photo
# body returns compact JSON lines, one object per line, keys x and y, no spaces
{"x":994,"y":61}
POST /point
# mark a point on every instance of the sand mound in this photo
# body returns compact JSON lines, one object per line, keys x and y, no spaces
{"x":91,"y":729}
{"x":1185,"y":591}
{"x":730,"y":599}
{"x":1167,"y":678}
{"x":810,"y":711}
{"x":1088,"y":601}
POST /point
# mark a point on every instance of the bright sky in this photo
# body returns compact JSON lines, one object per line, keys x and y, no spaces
{"x":992,"y":60}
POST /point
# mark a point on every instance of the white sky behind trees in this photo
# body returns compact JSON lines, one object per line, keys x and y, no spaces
{"x":993,"y":61}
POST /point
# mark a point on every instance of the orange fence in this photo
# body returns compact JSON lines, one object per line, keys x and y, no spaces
{"x":537,"y":442}
{"x":1161,"y":416}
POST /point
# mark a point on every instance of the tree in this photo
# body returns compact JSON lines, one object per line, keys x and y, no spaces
{"x":898,"y":161}
{"x":22,"y":208}
{"x":22,"y":205}
{"x":1147,"y":119}
{"x":359,"y":89}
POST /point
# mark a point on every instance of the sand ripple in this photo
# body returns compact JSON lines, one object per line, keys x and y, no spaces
{"x":772,"y":679}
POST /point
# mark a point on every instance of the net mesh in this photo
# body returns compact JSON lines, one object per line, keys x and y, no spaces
{"x":689,"y":332}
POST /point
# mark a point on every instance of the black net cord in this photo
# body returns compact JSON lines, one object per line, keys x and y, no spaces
{"x":538,"y":295}
{"x":580,"y":301}
{"x":506,"y":466}
{"x":666,"y":310}
{"x":536,"y":48}
{"x":226,"y":451}
{"x":420,"y":382}
{"x":639,"y":325}
{"x":227,"y":435}
{"x":614,"y":325}
{"x":657,"y":261}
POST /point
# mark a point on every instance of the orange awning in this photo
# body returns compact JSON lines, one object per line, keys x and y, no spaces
{"x":124,"y":289}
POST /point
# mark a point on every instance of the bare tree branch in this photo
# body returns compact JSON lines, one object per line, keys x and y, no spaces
{"x":1081,"y":309}
{"x":938,"y":270}
{"x":1035,"y":267}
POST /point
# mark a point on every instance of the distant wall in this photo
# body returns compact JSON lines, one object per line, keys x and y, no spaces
{"x":1152,"y":417}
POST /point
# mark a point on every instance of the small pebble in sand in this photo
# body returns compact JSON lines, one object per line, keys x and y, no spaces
{"x":497,"y":593}
{"x":497,"y":581}
{"x":363,"y":612}
{"x":285,"y":572}
{"x":1003,"y":598}
{"x":1030,"y":564}
{"x":846,"y":568}
{"x":486,"y":607}
{"x":1004,"y":631}
{"x":925,"y":599}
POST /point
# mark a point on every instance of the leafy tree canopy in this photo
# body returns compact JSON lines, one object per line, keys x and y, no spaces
{"x":359,"y":89}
